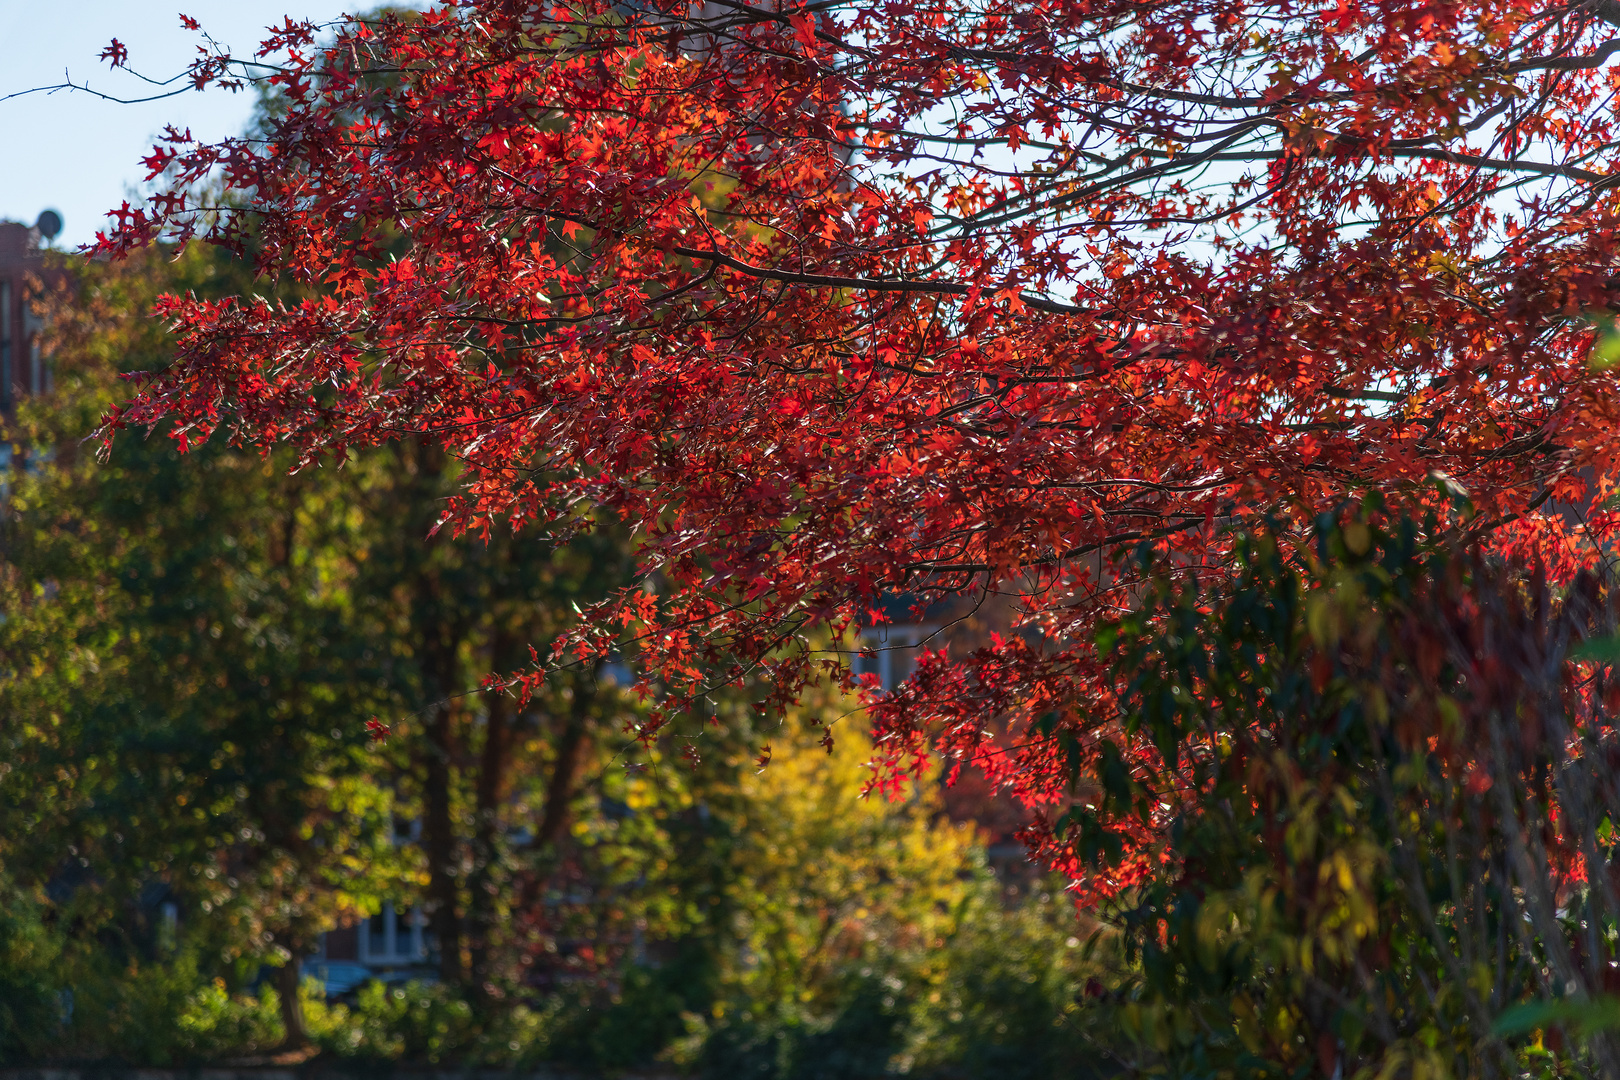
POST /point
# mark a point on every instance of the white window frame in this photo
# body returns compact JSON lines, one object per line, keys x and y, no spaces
{"x":412,"y":950}
{"x":894,"y":650}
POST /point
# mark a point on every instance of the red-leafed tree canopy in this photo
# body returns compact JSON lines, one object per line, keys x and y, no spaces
{"x":959,"y":299}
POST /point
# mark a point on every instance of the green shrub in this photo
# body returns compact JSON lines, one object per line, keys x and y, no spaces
{"x":427,"y":1023}
{"x":30,"y":1009}
{"x":860,"y":1039}
{"x":215,"y":1023}
{"x":1002,"y":998}
{"x":637,"y":1019}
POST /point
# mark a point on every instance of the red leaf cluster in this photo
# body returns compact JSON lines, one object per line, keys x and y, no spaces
{"x":948,"y":300}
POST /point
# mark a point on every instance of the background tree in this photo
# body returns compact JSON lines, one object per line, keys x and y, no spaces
{"x":450,"y":611}
{"x":1391,"y":767}
{"x":225,"y":631}
{"x":178,"y":658}
{"x":616,"y":904}
{"x":879,"y":957}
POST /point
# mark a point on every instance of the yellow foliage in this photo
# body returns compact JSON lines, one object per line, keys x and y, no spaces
{"x":830,"y":874}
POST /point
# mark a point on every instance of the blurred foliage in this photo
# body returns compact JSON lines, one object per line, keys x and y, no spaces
{"x":1392,"y":767}
{"x":1393,"y":770}
{"x":179,"y":670}
{"x":871,"y":936}
{"x":190,"y":650}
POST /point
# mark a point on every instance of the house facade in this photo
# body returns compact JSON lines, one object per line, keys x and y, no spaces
{"x":23,"y":270}
{"x":393,"y":945}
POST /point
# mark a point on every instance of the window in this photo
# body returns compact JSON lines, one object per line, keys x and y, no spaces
{"x":168,"y":928}
{"x":32,"y":324}
{"x":894,"y":651}
{"x":395,"y":935}
{"x":407,"y":831}
{"x":5,"y":343}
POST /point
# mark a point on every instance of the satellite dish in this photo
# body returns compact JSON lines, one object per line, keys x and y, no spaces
{"x":49,"y":224}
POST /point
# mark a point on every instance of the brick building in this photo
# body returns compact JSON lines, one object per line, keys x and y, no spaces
{"x":23,"y":269}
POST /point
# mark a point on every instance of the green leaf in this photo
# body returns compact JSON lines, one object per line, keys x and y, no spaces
{"x":1107,"y":636}
{"x":1602,"y":650}
{"x":1606,"y":351}
{"x":1584,"y":1016}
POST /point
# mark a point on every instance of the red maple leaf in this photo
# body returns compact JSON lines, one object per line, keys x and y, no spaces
{"x":116,"y":54}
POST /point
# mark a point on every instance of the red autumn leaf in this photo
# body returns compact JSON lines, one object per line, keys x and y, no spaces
{"x":116,"y":54}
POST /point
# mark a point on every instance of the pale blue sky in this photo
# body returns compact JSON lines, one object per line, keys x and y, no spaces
{"x":78,"y":154}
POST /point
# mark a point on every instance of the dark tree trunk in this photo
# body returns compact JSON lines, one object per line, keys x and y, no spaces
{"x":296,"y":1037}
{"x":565,"y":771}
{"x":490,"y":792}
{"x":439,"y":629}
{"x":560,"y":790}
{"x":439,"y":839}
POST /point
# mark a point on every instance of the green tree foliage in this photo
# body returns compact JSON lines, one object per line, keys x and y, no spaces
{"x":183,"y":697}
{"x":870,"y":937}
{"x":1393,"y":766}
{"x":190,"y":652}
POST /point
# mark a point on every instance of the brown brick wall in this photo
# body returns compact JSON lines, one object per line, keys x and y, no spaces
{"x":20,"y":259}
